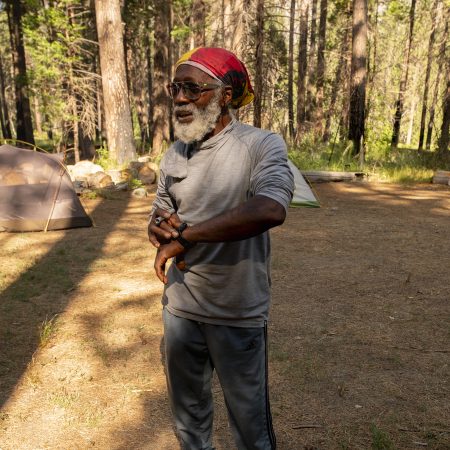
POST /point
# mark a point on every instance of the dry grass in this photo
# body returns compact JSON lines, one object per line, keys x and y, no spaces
{"x":358,"y":334}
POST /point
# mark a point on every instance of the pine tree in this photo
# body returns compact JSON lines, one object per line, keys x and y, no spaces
{"x":119,"y":128}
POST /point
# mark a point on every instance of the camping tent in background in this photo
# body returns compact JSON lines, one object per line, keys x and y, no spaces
{"x":36,"y":193}
{"x":303,"y":195}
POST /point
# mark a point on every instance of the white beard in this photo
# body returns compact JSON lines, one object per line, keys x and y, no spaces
{"x":204,"y":120}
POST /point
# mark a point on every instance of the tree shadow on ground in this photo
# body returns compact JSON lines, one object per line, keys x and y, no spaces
{"x":44,"y":291}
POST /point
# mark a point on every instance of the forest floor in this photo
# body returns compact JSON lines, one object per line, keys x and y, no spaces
{"x":359,"y":330}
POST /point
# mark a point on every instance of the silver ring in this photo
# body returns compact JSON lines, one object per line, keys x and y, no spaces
{"x":158,"y":221}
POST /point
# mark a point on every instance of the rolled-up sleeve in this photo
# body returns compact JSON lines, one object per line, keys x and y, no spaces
{"x":271,"y":175}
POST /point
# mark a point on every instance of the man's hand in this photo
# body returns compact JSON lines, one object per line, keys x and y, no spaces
{"x":165,"y":252}
{"x":162,"y":227}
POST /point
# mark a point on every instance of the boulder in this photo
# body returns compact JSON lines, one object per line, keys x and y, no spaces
{"x":153,"y":166}
{"x":144,"y":171}
{"x":82,"y":169}
{"x":126,"y":174}
{"x":134,"y":167}
{"x":146,"y":175}
{"x":80,"y":186}
{"x":99,"y":180}
{"x":139,"y":192}
{"x":122,"y":186}
{"x":119,"y":176}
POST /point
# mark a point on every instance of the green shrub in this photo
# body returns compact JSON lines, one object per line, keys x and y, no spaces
{"x":134,"y":183}
{"x":380,"y":439}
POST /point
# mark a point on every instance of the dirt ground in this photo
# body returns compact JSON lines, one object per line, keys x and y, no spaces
{"x":359,"y":331}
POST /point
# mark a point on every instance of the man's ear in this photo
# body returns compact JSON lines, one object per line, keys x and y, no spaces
{"x":227,"y":96}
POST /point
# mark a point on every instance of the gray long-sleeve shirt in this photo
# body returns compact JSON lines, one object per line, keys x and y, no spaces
{"x":225,"y":283}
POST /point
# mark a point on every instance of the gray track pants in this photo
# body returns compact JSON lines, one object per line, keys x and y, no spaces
{"x":239,"y":356}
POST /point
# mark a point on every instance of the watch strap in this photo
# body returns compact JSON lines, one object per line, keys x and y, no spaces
{"x":184,"y":242}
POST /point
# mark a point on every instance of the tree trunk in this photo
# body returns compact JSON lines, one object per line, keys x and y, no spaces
{"x":372,"y":68}
{"x":427,"y":74}
{"x":76,"y":131}
{"x":291,"y":71}
{"x":119,"y":129}
{"x":198,"y":17}
{"x":441,"y":63}
{"x":23,"y":110}
{"x":257,"y":115}
{"x":37,"y":115}
{"x":404,"y":79}
{"x":311,"y":86}
{"x":72,"y":96}
{"x":302,"y":67}
{"x":233,"y":23}
{"x":149,"y":64}
{"x":160,"y":64}
{"x":432,"y":111}
{"x":4,"y":113}
{"x":444,"y":137}
{"x":413,"y":106}
{"x":336,"y":83}
{"x":320,"y":80}
{"x":169,"y":70}
{"x":86,"y":145}
{"x":358,"y":75}
{"x":239,"y":40}
{"x":345,"y":112}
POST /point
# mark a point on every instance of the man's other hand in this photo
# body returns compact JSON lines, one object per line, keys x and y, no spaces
{"x":162,"y":227}
{"x":165,"y":252}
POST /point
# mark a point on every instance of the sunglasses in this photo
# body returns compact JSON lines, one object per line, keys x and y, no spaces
{"x":191,"y":90}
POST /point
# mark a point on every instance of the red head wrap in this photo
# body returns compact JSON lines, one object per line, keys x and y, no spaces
{"x":224,"y":66}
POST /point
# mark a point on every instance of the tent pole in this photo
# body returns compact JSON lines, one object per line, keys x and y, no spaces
{"x":61,"y":173}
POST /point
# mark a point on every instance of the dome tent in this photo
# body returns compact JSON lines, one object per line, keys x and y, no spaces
{"x":36,"y":193}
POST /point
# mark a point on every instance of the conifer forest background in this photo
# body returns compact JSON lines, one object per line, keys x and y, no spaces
{"x":348,"y":83}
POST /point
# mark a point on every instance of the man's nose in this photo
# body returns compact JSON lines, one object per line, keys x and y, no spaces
{"x":180,"y":97}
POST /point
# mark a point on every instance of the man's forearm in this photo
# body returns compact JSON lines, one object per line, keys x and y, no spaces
{"x":247,"y":220}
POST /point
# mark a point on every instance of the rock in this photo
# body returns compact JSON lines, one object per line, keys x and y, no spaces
{"x":126,"y":175}
{"x":118,"y":176}
{"x":146,"y":175}
{"x":80,"y":184}
{"x":144,"y":170}
{"x":83,"y":169}
{"x":99,"y":180}
{"x":153,"y":166}
{"x":140,"y":193}
{"x":134,"y":167}
{"x":122,"y":186}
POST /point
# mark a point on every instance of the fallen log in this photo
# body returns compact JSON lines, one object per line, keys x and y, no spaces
{"x":323,"y":175}
{"x":441,"y":177}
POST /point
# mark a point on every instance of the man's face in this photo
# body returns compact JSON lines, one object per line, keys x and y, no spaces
{"x":193,"y":120}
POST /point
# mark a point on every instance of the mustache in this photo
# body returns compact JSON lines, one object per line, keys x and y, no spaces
{"x":184,"y":108}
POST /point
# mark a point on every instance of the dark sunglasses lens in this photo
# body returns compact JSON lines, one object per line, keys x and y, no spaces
{"x":192,"y":90}
{"x":174,"y":89}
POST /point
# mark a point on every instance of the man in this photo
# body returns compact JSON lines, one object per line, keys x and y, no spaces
{"x":222,"y":185}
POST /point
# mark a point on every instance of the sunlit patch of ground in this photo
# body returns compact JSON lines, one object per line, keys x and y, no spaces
{"x":358,"y":336}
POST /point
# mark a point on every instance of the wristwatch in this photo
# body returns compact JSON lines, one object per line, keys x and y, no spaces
{"x":184,"y":242}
